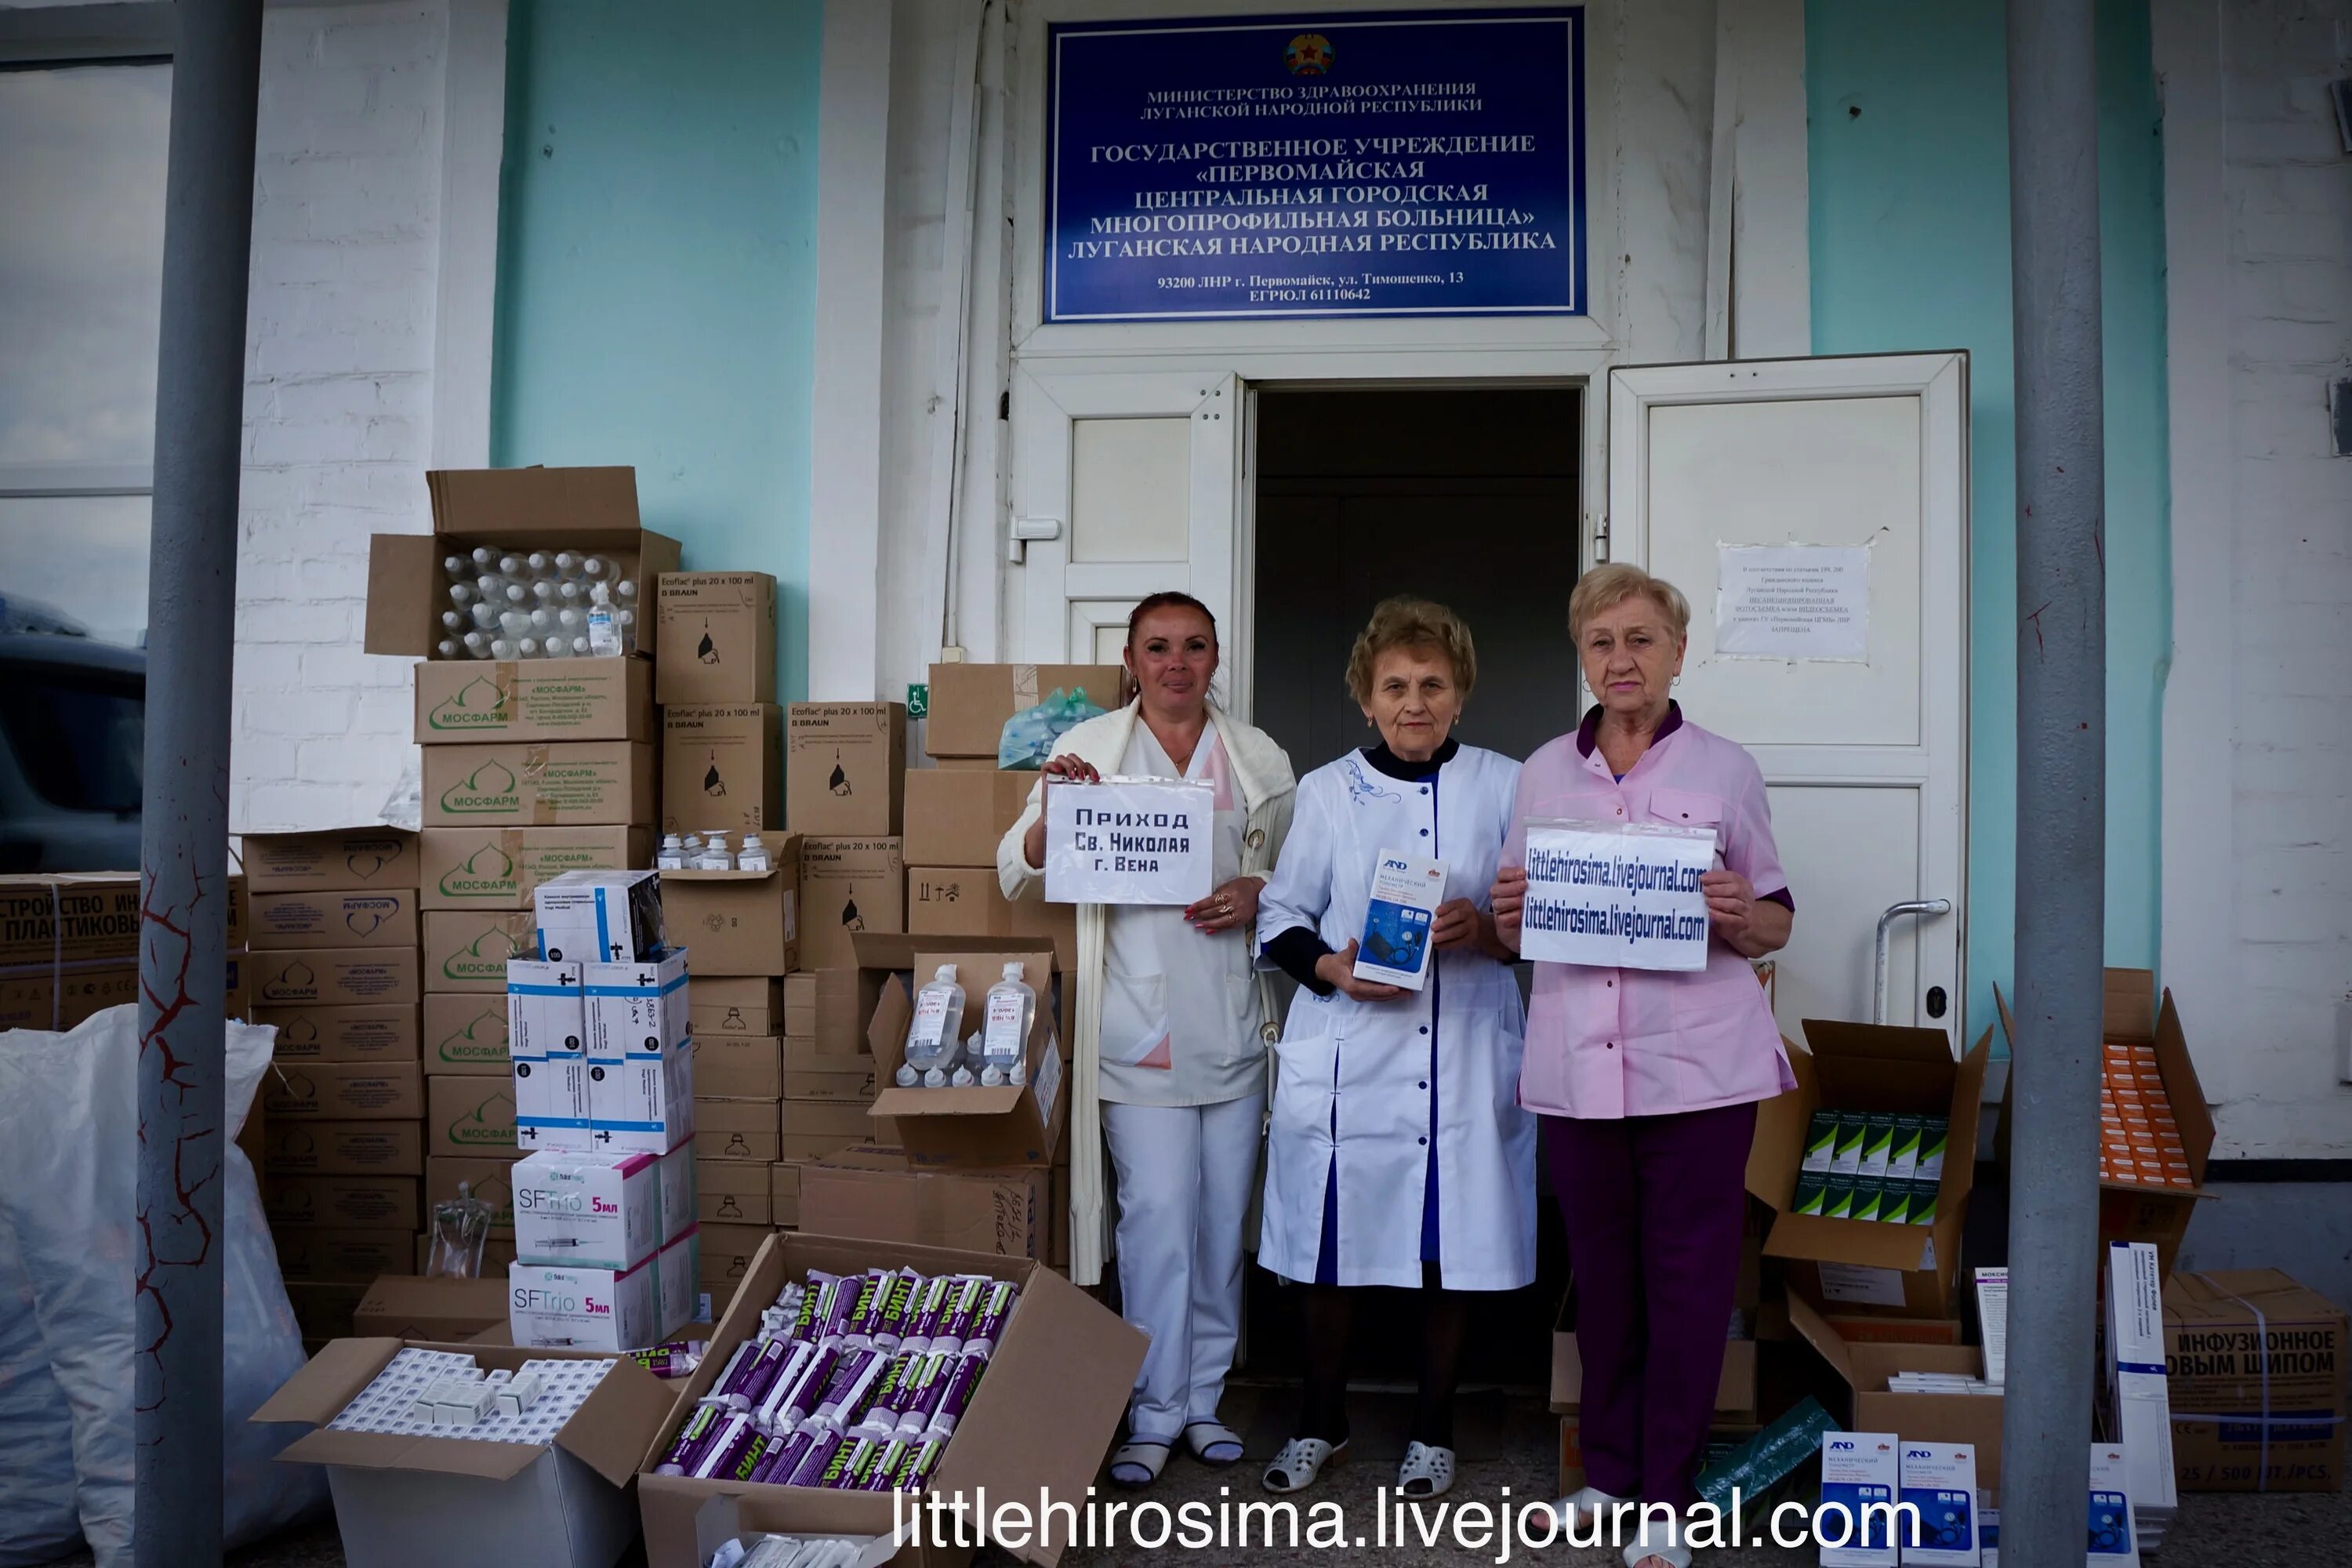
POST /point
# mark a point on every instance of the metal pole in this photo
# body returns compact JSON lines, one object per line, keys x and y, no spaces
{"x":183,"y":845}
{"x":2061,"y":780}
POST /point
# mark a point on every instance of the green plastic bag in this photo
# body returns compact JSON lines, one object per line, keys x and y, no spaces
{"x":1028,"y":737}
{"x":1770,"y":1464}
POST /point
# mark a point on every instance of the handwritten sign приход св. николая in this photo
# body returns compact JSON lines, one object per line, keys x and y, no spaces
{"x":1617,"y":895}
{"x":1129,"y":841}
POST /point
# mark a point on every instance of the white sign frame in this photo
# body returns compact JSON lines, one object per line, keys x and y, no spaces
{"x":1130,"y":841}
{"x":1607,"y":899}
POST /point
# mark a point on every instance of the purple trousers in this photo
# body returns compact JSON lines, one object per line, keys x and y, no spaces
{"x":1652,"y":1208}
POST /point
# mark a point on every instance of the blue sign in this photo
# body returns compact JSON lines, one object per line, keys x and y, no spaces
{"x":1398,"y":163}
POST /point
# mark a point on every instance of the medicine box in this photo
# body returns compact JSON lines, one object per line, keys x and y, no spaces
{"x":583,"y":1309}
{"x":1860,"y":1475}
{"x":599,"y":916}
{"x":1820,"y":1146}
{"x":636,"y":1006}
{"x":546,"y":1043}
{"x":2138,"y":1398}
{"x":1878,"y":1144}
{"x":1939,"y":1479}
{"x":2112,"y":1541}
{"x":587,"y":1210}
{"x":1845,"y":1156}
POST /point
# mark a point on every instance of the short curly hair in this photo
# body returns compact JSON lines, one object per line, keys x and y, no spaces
{"x":1411,"y":623}
{"x":1606,"y":587}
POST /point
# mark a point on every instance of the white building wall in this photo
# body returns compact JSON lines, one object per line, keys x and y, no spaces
{"x":339,"y":401}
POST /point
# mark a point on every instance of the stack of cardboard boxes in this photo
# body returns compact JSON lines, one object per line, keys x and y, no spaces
{"x":334,"y":928}
{"x":70,"y":949}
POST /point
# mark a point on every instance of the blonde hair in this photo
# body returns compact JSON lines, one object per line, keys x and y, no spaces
{"x":1411,"y":623}
{"x":1605,"y":587}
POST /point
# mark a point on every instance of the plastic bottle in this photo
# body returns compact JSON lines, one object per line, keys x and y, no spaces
{"x":715,"y":854}
{"x":1011,"y":1008}
{"x":541,"y":561}
{"x":477,"y":644}
{"x":691,"y":848}
{"x":461,"y":593}
{"x":455,"y":565}
{"x":754,"y":855}
{"x":449,"y":647}
{"x":604,"y":636}
{"x":483,"y":556}
{"x":671,"y":857}
{"x":527,"y":647}
{"x":932,"y":1044}
{"x":451,"y":621}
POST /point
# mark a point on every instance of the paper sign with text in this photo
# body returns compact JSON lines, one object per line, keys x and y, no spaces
{"x":1616,"y":895}
{"x":1129,"y":841}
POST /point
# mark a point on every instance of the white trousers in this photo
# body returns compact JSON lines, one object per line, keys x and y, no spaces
{"x":1184,"y":1178}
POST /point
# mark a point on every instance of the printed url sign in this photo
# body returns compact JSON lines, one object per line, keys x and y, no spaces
{"x":1616,"y":897}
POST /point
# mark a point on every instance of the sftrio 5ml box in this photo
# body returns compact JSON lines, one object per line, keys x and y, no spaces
{"x":587,"y":1211}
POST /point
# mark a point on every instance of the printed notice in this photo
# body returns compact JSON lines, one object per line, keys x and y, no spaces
{"x":1793,"y":601}
{"x":1129,"y":841}
{"x":1618,"y":896}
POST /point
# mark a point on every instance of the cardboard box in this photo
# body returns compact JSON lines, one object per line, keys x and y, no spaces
{"x":1864,"y":1368}
{"x":336,"y":977}
{"x":1734,"y":1389}
{"x":375,"y":858}
{"x":400,"y":1501}
{"x":737,"y":1129}
{"x":342,"y":1149}
{"x":971,"y":702}
{"x":524,"y":783}
{"x":344,"y":919}
{"x":728,"y":1251}
{"x":733,"y":1191}
{"x":500,"y":867}
{"x":744,"y":923}
{"x":470,"y":701}
{"x":576,"y":1210}
{"x":735,"y":1004}
{"x":784,"y":1192}
{"x":868,"y":1191}
{"x":1062,"y":1352}
{"x":311,"y":1252}
{"x":957,"y":817}
{"x":343,"y":1092}
{"x":811,"y":1074}
{"x":2249,"y":1355}
{"x":489,"y":1176}
{"x":738,"y":1067}
{"x":409,"y":1307}
{"x":465,"y":950}
{"x":1865,"y":1267}
{"x":376,"y":1033}
{"x":820,"y":1007}
{"x":848,"y":886}
{"x":323,"y":1310}
{"x":73,"y":919}
{"x":723,"y":768}
{"x":470,"y":1115}
{"x":640,"y":1060}
{"x":968,"y":1128}
{"x":349,"y":1202}
{"x":948,"y":900}
{"x":607,"y":917}
{"x":845,"y":769}
{"x":466,"y":1034}
{"x":720,"y":629}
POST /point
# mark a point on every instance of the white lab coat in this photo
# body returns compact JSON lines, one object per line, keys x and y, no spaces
{"x":1364,"y":1068}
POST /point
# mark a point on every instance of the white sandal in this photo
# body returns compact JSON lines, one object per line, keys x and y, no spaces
{"x":1573,"y":1509}
{"x":1149,"y":1458}
{"x":1646,"y":1545}
{"x":1204,"y":1436}
{"x":1426,"y":1472}
{"x":1302,"y":1460}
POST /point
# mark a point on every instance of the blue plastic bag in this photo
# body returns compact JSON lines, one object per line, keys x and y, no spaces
{"x":1027,"y":740}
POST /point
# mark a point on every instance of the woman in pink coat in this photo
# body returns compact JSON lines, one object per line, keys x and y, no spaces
{"x":1647,"y":1081}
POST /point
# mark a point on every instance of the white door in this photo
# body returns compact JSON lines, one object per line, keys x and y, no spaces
{"x":1137,"y":480}
{"x":1864,"y":736}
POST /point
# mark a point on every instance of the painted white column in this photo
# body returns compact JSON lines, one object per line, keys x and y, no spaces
{"x":845,"y":427}
{"x":473,"y":144}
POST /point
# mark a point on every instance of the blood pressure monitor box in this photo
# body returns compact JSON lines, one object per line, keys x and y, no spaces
{"x":1394,"y":948}
{"x":1939,"y":1479}
{"x":1859,"y":1476}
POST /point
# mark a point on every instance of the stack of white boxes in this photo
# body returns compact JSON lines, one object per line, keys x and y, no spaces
{"x":605,"y":1242}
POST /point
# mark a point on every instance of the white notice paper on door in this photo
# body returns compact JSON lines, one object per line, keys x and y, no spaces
{"x":1793,"y":601}
{"x":1129,"y":841}
{"x":1616,"y":895}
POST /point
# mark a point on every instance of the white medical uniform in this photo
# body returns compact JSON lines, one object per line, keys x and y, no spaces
{"x":1355,"y":1081}
{"x":1183,"y":1082}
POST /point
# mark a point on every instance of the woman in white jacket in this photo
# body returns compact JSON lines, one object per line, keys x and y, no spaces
{"x":1168,"y":1054}
{"x":1398,"y":1154}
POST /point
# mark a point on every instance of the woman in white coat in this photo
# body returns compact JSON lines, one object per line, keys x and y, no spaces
{"x":1397,"y":1154}
{"x":1168,"y":1053}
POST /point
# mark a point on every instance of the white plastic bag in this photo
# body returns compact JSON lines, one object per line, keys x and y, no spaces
{"x":68,"y":1244}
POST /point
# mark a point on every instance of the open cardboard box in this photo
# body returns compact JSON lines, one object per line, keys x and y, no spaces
{"x":2132,"y":1012}
{"x":1043,"y":1418}
{"x":1849,"y":1264}
{"x":416,"y":1307}
{"x":747,"y":1519}
{"x":455,"y":1502}
{"x":737,"y":924}
{"x":1929,"y":1417}
{"x":1006,"y":1126}
{"x":588,"y":510}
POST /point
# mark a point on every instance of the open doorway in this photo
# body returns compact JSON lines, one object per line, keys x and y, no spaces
{"x":1469,"y":496}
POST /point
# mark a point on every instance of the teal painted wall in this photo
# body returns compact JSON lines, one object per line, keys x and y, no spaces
{"x":657,"y":269}
{"x":1909,"y":174}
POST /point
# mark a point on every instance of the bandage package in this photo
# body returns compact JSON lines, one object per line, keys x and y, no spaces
{"x":640,"y":1062}
{"x":546,"y":1044}
{"x":1939,"y":1479}
{"x":1860,"y":1475}
{"x":583,"y":1309}
{"x":599,"y":917}
{"x":2139,"y":1407}
{"x":587,"y":1210}
{"x":446,"y":1393}
{"x":2113,"y":1542}
{"x":1395,"y":948}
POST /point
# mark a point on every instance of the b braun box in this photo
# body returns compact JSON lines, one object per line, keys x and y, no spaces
{"x":722,"y":767}
{"x":848,"y":886}
{"x":720,"y":629}
{"x":521,"y":784}
{"x":844,"y":768}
